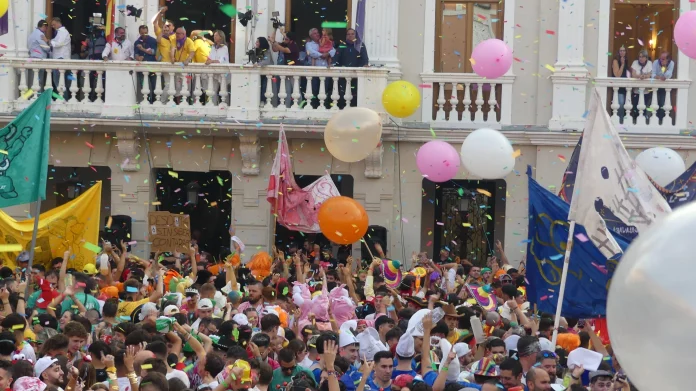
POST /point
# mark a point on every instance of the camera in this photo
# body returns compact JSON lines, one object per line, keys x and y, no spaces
{"x":253,"y":58}
{"x":275,"y":18}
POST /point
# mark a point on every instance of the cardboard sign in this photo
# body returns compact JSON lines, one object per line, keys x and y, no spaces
{"x":169,"y":232}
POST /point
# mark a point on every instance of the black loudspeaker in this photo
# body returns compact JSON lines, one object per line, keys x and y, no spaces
{"x":120,"y":229}
{"x":375,"y":234}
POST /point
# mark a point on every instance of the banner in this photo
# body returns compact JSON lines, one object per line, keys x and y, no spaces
{"x":607,"y":177}
{"x":75,"y":225}
{"x":169,"y":232}
{"x":589,"y":273}
{"x":680,"y":191}
{"x":110,"y":23}
{"x":24,"y":154}
{"x":296,"y":208}
{"x":4,"y":17}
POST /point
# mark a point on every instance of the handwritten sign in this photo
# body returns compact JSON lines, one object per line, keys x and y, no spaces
{"x":169,"y":232}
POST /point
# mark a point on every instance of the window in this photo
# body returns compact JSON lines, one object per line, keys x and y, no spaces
{"x":460,"y":26}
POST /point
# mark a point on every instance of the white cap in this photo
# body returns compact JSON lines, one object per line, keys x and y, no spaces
{"x":346,"y":338}
{"x":205,"y":304}
{"x":405,"y":347}
{"x":43,"y":364}
{"x":461,"y":349}
{"x":170,"y":310}
{"x":546,"y":345}
{"x":241,"y":319}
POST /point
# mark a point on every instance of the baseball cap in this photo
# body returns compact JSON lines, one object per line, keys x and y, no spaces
{"x":111,"y":292}
{"x":170,"y":310}
{"x":205,"y":304}
{"x":599,"y":373}
{"x":23,"y":256}
{"x":90,"y":269}
{"x":43,"y":364}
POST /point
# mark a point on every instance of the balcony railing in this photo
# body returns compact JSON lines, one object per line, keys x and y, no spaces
{"x":127,"y":89}
{"x":646,"y":106}
{"x":464,"y":100}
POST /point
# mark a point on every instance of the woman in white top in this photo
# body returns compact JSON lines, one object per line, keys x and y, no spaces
{"x":219,"y":54}
{"x":641,"y":69}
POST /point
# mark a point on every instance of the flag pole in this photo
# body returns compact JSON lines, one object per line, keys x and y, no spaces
{"x":37,"y":212}
{"x":564,"y":277}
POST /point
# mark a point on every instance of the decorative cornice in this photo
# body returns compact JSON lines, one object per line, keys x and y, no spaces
{"x":251,"y":154}
{"x":128,"y":149}
{"x":373,"y":163}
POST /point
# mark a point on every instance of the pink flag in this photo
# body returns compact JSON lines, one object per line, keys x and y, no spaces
{"x":296,"y":208}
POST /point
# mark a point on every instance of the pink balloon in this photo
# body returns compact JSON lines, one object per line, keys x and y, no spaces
{"x":491,"y":58}
{"x":438,"y":161}
{"x":685,"y":33}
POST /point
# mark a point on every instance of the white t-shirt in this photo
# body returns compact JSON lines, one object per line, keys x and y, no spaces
{"x":123,"y":384}
{"x":181,"y":375}
{"x":306,"y":363}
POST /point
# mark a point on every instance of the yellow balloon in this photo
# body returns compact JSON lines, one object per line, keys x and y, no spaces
{"x":401,"y":99}
{"x":4,"y":5}
{"x":352,"y":134}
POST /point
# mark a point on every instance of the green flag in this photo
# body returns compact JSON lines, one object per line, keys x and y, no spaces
{"x":24,"y":154}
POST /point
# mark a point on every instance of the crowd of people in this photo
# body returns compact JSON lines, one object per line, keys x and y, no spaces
{"x":172,"y":44}
{"x":299,"y":319}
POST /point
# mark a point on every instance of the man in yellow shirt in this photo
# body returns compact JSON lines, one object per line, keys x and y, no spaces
{"x":202,"y":45}
{"x":182,"y":52}
{"x":134,"y":298}
{"x":164,"y":31}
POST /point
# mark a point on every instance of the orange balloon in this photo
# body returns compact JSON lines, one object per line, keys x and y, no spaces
{"x":342,"y":220}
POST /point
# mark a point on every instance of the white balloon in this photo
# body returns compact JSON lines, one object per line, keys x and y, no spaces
{"x":487,"y":153}
{"x":652,"y":305}
{"x":663,"y":165}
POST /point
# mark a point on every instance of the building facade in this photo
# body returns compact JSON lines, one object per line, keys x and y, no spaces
{"x":184,"y":152}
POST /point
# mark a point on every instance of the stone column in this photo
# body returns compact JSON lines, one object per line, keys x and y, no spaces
{"x":571,"y":76}
{"x":382,"y":32}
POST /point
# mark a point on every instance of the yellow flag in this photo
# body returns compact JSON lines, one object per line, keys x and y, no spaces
{"x":70,"y":225}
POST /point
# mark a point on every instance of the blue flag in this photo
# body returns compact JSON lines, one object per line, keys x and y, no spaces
{"x":680,"y":191}
{"x":24,"y":154}
{"x":589,"y":271}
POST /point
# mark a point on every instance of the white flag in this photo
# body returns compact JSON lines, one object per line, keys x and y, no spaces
{"x":607,"y":176}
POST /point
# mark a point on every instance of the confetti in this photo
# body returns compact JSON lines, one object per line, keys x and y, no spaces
{"x":516,"y":153}
{"x":92,"y":247}
{"x":550,"y":68}
{"x":556,"y":257}
{"x":563,"y":159}
{"x":581,"y":237}
{"x":334,"y":25}
{"x":229,"y":10}
{"x":484,"y":192}
{"x":89,"y":145}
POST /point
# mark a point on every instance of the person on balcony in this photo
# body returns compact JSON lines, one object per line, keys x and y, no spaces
{"x":60,"y":50}
{"x":120,"y":48}
{"x":621,"y":69}
{"x":182,"y":52}
{"x":319,"y":59}
{"x":291,"y":56}
{"x":164,"y":34}
{"x":261,"y":58}
{"x":662,"y":69}
{"x":145,"y":51}
{"x":219,"y":54}
{"x":642,"y":70}
{"x":38,"y":48}
{"x":202,"y":47}
{"x":352,"y":54}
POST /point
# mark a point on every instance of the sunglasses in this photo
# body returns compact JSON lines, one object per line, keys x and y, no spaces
{"x":547,"y":354}
{"x":288,"y":369}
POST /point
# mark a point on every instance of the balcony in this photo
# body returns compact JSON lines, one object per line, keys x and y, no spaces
{"x":466,"y":100}
{"x":650,"y":106}
{"x":174,"y":92}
